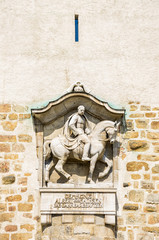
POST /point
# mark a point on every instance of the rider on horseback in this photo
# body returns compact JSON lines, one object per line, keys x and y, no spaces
{"x":77,"y":128}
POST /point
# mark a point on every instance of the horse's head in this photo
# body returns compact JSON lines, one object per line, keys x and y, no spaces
{"x":112,"y":132}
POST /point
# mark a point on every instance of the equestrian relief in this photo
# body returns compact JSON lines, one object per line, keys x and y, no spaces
{"x":78,"y":141}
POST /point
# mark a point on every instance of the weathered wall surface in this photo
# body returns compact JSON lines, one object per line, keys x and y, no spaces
{"x":117,"y":49}
{"x":117,"y":57}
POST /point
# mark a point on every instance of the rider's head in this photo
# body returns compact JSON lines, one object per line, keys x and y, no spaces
{"x":81,"y":110}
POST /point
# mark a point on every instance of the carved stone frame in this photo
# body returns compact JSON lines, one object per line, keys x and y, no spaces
{"x":61,"y":106}
{"x":55,"y":109}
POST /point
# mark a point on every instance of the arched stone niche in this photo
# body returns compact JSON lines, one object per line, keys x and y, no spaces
{"x":49,"y":122}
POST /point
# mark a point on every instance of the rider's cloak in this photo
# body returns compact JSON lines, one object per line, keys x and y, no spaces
{"x":68,"y":139}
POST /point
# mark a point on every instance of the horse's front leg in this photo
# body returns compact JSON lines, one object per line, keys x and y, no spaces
{"x":92,"y":166}
{"x":59,"y":167}
{"x":48,"y":166}
{"x":47,"y":173}
{"x":109,"y":166}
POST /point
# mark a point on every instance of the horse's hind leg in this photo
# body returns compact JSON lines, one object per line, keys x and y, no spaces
{"x":92,"y":166}
{"x":47,"y":171}
{"x":59,"y":167}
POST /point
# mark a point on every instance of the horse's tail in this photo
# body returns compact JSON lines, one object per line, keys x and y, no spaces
{"x":47,"y":150}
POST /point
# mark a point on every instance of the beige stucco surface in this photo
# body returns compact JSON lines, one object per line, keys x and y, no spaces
{"x":117,"y":55}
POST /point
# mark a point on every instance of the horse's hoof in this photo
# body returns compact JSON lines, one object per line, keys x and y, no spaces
{"x":86,"y":159}
{"x":89,"y":180}
{"x":101,"y":175}
{"x":70,"y":181}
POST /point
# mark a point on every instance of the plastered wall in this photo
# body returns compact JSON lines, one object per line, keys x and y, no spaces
{"x":116,"y":56}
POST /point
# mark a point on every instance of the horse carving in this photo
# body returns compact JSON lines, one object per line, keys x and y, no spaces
{"x":103,"y":132}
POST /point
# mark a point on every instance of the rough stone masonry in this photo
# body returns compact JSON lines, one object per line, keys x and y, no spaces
{"x":139,"y":184}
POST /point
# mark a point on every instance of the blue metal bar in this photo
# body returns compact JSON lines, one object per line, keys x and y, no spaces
{"x":76,"y":28}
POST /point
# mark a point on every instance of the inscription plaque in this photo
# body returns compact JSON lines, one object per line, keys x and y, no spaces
{"x":86,"y":201}
{"x":78,"y":201}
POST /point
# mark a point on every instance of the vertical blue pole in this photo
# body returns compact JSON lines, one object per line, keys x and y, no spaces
{"x":76,"y":28}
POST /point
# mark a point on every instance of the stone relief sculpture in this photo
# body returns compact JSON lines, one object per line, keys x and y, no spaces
{"x":81,"y":143}
{"x":76,"y":136}
{"x":84,"y":148}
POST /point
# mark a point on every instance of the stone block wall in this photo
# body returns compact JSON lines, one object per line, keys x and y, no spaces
{"x":78,"y":227}
{"x":139,"y":217}
{"x":19,"y":216}
{"x":138,"y":190}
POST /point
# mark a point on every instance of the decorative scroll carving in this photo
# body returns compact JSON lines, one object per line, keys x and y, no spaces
{"x":78,"y":201}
